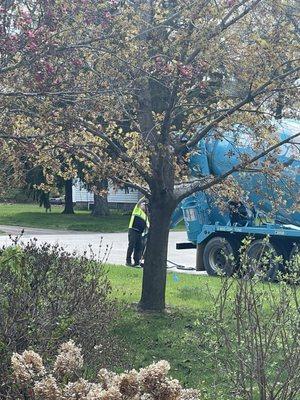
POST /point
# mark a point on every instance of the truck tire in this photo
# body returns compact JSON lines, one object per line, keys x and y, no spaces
{"x":258,"y":264}
{"x":199,"y":257}
{"x":218,"y":257}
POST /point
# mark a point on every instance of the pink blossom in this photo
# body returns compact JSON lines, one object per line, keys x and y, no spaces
{"x":230,"y":2}
{"x":32,"y":46}
{"x":202,"y":85}
{"x":77,"y":62}
{"x":39,"y":76}
{"x":186,"y":71}
{"x":30,"y":34}
{"x":107,"y":15}
{"x":49,"y":68}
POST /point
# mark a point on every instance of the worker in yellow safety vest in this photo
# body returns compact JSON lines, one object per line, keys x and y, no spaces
{"x":139,"y":222}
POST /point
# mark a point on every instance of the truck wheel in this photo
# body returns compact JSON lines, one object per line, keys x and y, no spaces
{"x":218,"y":257}
{"x":261,"y":258}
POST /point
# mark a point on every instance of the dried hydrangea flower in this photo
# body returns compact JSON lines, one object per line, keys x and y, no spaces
{"x":47,"y":389}
{"x":151,"y":376}
{"x":69,"y":359}
{"x":111,"y":394}
{"x":189,"y":394}
{"x":129,"y":384}
{"x":108,"y":378}
{"x":147,"y":396}
{"x":168,"y":390}
{"x":94,"y":392}
{"x":76,"y":390}
{"x":150,"y":383}
{"x":27,"y":366}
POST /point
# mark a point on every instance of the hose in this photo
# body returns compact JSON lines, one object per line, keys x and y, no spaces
{"x":179,"y":266}
{"x":175,"y":265}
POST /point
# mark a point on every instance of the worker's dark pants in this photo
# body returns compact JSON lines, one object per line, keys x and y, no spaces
{"x":134,"y":246}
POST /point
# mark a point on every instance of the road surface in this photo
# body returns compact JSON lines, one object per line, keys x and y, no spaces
{"x":110,"y":246}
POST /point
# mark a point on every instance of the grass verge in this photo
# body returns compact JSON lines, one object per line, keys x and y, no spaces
{"x":31,"y":215}
{"x":178,"y":336}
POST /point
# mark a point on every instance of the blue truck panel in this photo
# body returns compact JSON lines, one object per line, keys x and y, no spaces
{"x":204,"y":219}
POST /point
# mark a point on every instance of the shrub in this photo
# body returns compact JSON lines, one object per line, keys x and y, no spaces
{"x":48,"y":296}
{"x":255,"y":335}
{"x":63,"y":381}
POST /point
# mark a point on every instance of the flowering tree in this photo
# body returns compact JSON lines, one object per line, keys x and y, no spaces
{"x":129,"y":88}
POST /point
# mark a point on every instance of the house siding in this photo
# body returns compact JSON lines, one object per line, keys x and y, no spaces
{"x":115,"y":196}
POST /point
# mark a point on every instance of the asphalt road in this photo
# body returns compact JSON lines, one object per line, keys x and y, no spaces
{"x":108,"y":246}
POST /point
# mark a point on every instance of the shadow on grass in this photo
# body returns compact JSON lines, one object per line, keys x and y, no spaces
{"x":178,"y":337}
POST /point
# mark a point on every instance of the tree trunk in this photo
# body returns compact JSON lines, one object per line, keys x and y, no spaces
{"x":100,"y":201}
{"x":100,"y":206}
{"x":68,"y":198}
{"x":154,"y":275}
{"x":279,"y":106}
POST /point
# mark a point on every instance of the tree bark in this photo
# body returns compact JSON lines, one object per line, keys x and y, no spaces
{"x":279,"y":106}
{"x":154,"y":275}
{"x":100,"y":201}
{"x":69,"y":209}
{"x":100,"y":206}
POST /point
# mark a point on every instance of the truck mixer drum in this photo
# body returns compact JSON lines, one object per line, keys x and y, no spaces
{"x":217,"y":231}
{"x":218,"y":257}
{"x":262,"y":260}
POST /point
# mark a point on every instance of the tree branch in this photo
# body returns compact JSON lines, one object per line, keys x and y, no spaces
{"x":250,"y":97}
{"x":223,"y":25}
{"x":132,"y":185}
{"x":120,"y":151}
{"x":197,"y":185}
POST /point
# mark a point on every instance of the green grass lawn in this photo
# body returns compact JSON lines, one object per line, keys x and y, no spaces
{"x":31,"y":215}
{"x":179,"y":336}
{"x":184,"y":335}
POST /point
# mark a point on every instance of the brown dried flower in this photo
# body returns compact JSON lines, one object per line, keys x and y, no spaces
{"x":111,"y":394}
{"x":151,"y":377}
{"x":189,"y":394}
{"x":69,"y":359}
{"x":94,"y":392}
{"x":167,"y":390}
{"x":150,"y":383}
{"x":47,"y":389}
{"x":76,"y":390}
{"x":129,"y":384}
{"x":27,"y":366}
{"x":108,"y":378}
{"x":147,"y":396}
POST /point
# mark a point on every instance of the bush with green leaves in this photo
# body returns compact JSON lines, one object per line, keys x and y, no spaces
{"x":48,"y":296}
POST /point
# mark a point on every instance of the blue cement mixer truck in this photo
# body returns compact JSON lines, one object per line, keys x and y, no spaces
{"x":218,"y":234}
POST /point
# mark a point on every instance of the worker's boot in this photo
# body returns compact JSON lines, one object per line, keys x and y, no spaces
{"x":136,"y":263}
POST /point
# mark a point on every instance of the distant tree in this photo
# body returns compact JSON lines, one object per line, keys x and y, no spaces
{"x":101,"y":207}
{"x":69,"y":209}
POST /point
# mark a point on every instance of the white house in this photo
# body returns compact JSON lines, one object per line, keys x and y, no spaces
{"x":123,"y":198}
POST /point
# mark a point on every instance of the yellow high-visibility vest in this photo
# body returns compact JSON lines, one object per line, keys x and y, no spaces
{"x":138,"y":212}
